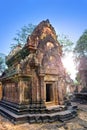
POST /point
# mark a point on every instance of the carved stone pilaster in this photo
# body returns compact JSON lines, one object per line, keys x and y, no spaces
{"x":60,"y":92}
{"x":0,"y":90}
{"x":41,"y":73}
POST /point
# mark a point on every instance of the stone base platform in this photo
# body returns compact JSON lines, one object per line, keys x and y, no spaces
{"x":81,"y":98}
{"x":43,"y":115}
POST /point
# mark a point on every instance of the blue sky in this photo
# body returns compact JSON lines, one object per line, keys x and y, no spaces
{"x":68,"y":17}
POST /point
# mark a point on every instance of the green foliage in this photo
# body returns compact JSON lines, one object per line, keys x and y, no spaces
{"x":66,"y":43}
{"x":76,"y":82}
{"x":80,"y":52}
{"x":2,"y":65}
{"x":81,"y":46}
{"x":22,"y":34}
{"x":80,"y":49}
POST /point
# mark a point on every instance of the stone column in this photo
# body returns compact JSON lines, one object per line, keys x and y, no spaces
{"x":34,"y":89}
{"x":4,"y":91}
{"x":56,"y":94}
{"x":41,"y":86}
{"x":60,"y":92}
{"x":0,"y":90}
{"x":20,"y":88}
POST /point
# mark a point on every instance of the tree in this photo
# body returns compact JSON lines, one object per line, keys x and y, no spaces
{"x":67,"y":58}
{"x":81,"y":46}
{"x":2,"y":64}
{"x":22,"y":35}
{"x":80,"y":52}
{"x":66,"y":43}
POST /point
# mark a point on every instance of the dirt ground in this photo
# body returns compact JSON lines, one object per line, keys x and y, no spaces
{"x":78,"y":123}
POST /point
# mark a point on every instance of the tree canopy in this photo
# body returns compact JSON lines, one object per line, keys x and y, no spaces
{"x":80,"y":50}
{"x":22,"y":34}
{"x":81,"y":46}
{"x":2,"y":63}
{"x":66,"y":43}
{"x":80,"y":53}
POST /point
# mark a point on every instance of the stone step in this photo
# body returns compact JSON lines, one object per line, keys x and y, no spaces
{"x":35,"y":118}
{"x":14,"y":107}
{"x":23,"y":109}
{"x":56,"y":108}
{"x":67,"y":115}
{"x":12,"y":116}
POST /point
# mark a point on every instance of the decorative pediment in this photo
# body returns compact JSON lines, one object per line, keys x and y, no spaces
{"x":43,"y":32}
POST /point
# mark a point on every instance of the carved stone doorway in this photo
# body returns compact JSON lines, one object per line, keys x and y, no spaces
{"x":49,"y":93}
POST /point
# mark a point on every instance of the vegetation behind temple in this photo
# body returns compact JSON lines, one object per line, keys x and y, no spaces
{"x":2,"y":63}
{"x":22,"y":34}
{"x":80,"y":49}
{"x":81,"y":46}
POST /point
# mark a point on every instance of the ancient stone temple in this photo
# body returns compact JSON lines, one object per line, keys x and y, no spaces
{"x":34,"y":83}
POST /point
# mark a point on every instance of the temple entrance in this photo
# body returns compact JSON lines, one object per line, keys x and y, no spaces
{"x":49,"y":93}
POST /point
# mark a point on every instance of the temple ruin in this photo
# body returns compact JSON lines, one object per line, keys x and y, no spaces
{"x":81,"y":94}
{"x":34,"y":85}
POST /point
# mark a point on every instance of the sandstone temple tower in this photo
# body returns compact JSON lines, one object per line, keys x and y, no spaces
{"x":35,"y":79}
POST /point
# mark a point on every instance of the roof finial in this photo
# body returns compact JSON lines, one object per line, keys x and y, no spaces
{"x":47,"y":21}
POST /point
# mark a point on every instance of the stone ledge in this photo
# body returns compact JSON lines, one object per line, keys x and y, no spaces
{"x":38,"y":118}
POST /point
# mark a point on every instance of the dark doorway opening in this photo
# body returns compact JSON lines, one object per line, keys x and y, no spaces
{"x":49,"y":93}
